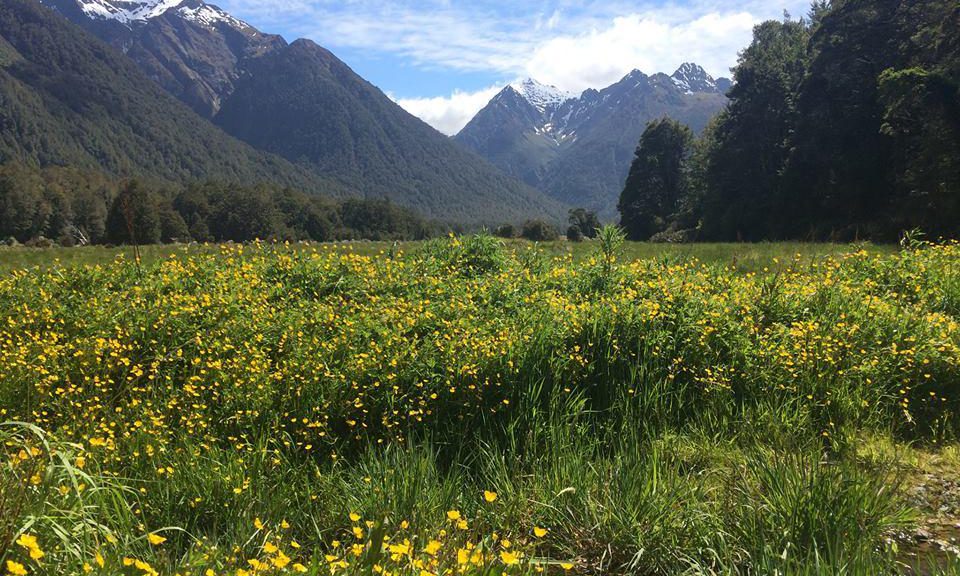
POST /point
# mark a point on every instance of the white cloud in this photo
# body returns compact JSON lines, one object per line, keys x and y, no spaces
{"x":640,"y":41}
{"x":449,"y":114}
{"x":573,"y":44}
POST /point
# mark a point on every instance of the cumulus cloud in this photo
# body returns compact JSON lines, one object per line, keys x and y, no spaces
{"x":449,"y":114}
{"x":640,"y":41}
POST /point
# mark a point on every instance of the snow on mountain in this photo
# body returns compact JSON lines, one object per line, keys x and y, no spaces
{"x":691,"y":78}
{"x":558,"y":113}
{"x":126,"y":11}
{"x":132,"y":11}
{"x":541,"y":96}
{"x":207,"y":15}
{"x":579,"y":149}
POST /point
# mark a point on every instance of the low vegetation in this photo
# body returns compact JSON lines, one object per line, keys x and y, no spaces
{"x":469,"y":407}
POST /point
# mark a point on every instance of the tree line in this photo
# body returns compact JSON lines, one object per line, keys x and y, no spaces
{"x":70,"y":206}
{"x":843,"y":125}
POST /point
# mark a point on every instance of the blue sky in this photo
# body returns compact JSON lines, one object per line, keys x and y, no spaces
{"x":444,"y":59}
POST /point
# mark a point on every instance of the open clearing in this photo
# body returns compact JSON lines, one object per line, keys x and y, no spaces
{"x":464,"y":407}
{"x":747,"y":257}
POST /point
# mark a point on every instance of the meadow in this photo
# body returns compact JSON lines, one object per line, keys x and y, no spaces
{"x":745,"y":256}
{"x":465,"y":406}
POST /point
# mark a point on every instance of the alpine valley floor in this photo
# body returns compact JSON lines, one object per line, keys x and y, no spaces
{"x":463,"y":406}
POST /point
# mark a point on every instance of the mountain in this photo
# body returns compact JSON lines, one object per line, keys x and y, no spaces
{"x":541,"y":96}
{"x":579,"y":149}
{"x":308,"y":106}
{"x":301,"y":102}
{"x":68,"y":99}
{"x":194,"y":50}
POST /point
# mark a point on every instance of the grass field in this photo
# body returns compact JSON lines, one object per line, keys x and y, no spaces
{"x":747,"y":257}
{"x":467,"y":407}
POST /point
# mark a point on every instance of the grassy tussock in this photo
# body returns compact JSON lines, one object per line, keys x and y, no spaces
{"x":469,"y":408}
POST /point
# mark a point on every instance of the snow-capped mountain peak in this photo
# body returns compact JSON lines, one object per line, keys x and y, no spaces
{"x":692,"y":78}
{"x":541,"y":96}
{"x":126,"y":11}
{"x":208,"y":15}
{"x":134,"y":11}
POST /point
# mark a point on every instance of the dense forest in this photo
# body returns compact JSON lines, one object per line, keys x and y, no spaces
{"x":844,"y":125}
{"x":70,"y":206}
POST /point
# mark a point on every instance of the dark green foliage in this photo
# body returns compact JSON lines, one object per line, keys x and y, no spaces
{"x":843,"y":126}
{"x":134,"y":216}
{"x":193,"y":205}
{"x":219,"y":212}
{"x":380,"y":220}
{"x":875,"y":147}
{"x":922,"y":118}
{"x":172,"y":226}
{"x":657,"y":179}
{"x":584,"y":221}
{"x":838,"y":179}
{"x":24,"y":211}
{"x":240,"y":214}
{"x":751,"y":136}
{"x":506,"y":231}
{"x":539,"y":231}
{"x":308,"y":218}
{"x":574,"y":234}
{"x":75,"y":207}
{"x":55,"y":203}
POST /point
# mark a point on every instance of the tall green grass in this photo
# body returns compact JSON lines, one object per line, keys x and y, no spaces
{"x":653,"y":416}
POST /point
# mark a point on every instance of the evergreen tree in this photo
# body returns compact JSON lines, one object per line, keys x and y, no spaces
{"x":307,"y":217}
{"x":134,"y":217}
{"x":751,"y":138}
{"x":23,"y":212}
{"x":657,"y":179}
{"x":193,"y":205}
{"x":838,"y":177}
{"x":172,"y":226}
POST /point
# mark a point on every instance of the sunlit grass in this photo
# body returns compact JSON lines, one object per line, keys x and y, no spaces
{"x":749,"y":257}
{"x":462,"y":406}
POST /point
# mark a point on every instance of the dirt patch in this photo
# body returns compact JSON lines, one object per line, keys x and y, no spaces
{"x":935,"y":542}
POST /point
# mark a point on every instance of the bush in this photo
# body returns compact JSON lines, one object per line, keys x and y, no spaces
{"x":471,"y":256}
{"x":574,"y":234}
{"x":539,"y":231}
{"x":506,"y":231}
{"x":585,"y":221}
{"x":40,"y":242}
